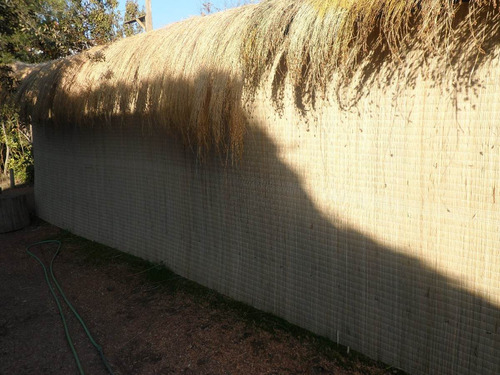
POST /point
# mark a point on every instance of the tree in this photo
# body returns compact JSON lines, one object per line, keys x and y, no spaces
{"x":16,"y":139}
{"x":98,"y":19}
{"x":39,"y":30}
{"x":208,"y":7}
{"x":15,"y":135}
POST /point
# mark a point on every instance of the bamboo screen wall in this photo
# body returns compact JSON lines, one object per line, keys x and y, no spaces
{"x":377,"y":223}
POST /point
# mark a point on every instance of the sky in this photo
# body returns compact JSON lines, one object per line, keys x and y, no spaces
{"x":168,"y":11}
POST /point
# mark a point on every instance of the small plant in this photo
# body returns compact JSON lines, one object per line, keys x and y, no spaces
{"x":16,"y":150}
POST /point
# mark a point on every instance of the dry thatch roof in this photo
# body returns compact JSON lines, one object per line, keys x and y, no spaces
{"x":185,"y":77}
{"x":190,"y":76}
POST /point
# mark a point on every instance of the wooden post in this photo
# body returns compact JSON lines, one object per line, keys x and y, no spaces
{"x":12,"y":179}
{"x":146,"y":22}
{"x":149,"y":16}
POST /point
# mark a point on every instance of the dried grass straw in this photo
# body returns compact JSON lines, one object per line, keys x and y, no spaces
{"x":190,"y":77}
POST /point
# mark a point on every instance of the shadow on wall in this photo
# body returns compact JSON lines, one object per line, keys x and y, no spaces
{"x":313,"y":271}
{"x":250,"y":230}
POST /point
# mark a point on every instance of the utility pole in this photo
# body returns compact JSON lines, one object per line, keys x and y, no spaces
{"x":149,"y":16}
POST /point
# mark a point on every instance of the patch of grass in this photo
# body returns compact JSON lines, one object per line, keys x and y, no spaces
{"x":158,"y":274}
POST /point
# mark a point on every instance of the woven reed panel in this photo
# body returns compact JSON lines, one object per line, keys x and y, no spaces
{"x":379,"y":222}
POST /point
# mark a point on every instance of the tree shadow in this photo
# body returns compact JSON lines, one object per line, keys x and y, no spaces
{"x":249,"y":230}
{"x":252,"y":232}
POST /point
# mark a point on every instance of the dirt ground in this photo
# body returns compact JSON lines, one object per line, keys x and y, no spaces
{"x":147,"y":319}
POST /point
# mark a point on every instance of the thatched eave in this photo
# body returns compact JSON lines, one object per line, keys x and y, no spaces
{"x":189,"y":77}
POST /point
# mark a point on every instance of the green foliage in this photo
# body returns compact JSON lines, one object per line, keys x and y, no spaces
{"x":34,"y":31}
{"x":15,"y":145}
{"x":7,"y":81}
{"x":23,"y":166}
{"x":98,"y":19}
{"x":40,"y":30}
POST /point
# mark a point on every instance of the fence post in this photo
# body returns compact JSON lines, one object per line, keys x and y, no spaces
{"x":12,"y":180}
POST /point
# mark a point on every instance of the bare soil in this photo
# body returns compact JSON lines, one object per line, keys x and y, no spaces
{"x":147,"y":319}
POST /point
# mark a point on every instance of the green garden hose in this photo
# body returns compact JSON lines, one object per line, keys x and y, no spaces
{"x":58,"y":303}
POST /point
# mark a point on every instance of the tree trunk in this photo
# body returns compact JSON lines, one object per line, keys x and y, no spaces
{"x":149,"y":16}
{"x":7,"y":156}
